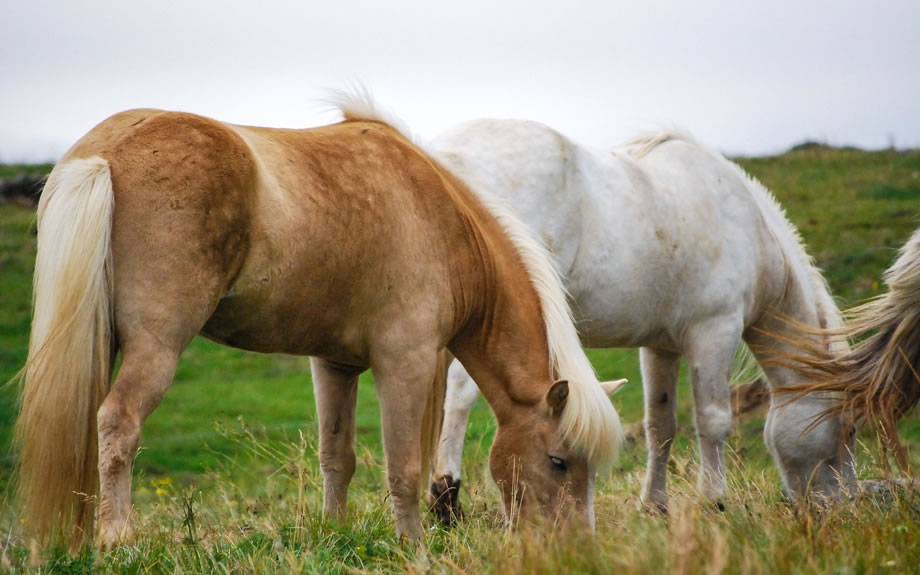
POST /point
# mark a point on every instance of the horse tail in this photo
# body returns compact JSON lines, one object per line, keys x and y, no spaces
{"x":70,"y":356}
{"x":879,"y":375}
{"x":434,"y":412}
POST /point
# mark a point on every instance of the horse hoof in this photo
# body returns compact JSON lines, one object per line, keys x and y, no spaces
{"x":445,"y":500}
{"x":112,"y":538}
{"x":656,"y":508}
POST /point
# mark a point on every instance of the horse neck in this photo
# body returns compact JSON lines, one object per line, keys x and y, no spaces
{"x":803,"y":302}
{"x":503,"y":343}
{"x":506,"y":353}
{"x":804,"y":309}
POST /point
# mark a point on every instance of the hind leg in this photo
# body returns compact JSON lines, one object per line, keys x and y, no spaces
{"x":179,"y":235}
{"x":146,"y":373}
{"x":336,"y":391}
{"x":461,"y":396}
{"x":659,"y":381}
{"x":712,"y":348}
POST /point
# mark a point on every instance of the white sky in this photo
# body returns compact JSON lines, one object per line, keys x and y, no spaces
{"x":744,"y":77}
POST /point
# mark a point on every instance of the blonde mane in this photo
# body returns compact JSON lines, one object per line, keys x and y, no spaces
{"x":590,"y":423}
{"x":357,"y":103}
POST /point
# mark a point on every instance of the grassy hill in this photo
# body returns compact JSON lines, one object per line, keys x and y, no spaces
{"x":234,"y":440}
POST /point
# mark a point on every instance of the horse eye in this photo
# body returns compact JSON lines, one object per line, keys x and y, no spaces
{"x":558,"y":463}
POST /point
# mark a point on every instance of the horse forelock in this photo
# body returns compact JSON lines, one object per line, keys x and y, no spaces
{"x":589,"y":422}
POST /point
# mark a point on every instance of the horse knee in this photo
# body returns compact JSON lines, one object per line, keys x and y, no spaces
{"x":714,"y":423}
{"x":340,"y":464}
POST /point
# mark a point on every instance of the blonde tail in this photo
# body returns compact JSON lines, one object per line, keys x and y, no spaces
{"x":70,"y":354}
{"x":880,"y":375}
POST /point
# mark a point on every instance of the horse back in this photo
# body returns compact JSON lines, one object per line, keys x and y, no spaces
{"x":314,"y":241}
{"x":353,"y":232}
{"x":183,"y":194}
{"x":672,"y":234}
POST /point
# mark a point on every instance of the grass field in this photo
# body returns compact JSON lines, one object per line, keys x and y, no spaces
{"x":227,"y":480}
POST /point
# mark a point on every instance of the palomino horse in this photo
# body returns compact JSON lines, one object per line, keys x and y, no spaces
{"x":668,"y":247}
{"x":880,"y":375}
{"x":345,"y":243}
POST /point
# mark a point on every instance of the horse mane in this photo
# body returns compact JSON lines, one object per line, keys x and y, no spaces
{"x":797,"y":258}
{"x":589,"y":422}
{"x":643,"y":144}
{"x":357,"y":103}
{"x":798,"y":262}
{"x":878,"y":376}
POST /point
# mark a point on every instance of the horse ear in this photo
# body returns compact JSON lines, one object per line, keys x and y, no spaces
{"x":557,"y":396}
{"x":613,"y":386}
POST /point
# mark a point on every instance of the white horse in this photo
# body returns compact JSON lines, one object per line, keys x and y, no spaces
{"x":671,"y":248}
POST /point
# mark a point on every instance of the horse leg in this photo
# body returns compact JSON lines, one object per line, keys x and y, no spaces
{"x":336,"y":391}
{"x":711,"y":352}
{"x":402,"y":385}
{"x":146,"y":372}
{"x":659,"y":381}
{"x":458,"y":403}
{"x":153,"y":329}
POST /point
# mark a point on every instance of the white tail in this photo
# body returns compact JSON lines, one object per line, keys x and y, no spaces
{"x":70,"y":353}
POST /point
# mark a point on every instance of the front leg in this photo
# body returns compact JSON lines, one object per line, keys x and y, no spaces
{"x":458,"y":403}
{"x":711,"y":351}
{"x":403,"y":388}
{"x":659,"y":379}
{"x":336,"y":392}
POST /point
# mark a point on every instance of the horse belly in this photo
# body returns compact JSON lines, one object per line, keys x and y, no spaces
{"x":616,"y":316}
{"x":286,"y":315}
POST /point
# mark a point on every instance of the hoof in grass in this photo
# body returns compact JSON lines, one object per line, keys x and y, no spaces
{"x":445,"y":500}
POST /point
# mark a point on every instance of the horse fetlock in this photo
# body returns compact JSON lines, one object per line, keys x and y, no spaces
{"x":341,"y":467}
{"x":445,"y":500}
{"x":654,"y":503}
{"x":335,"y":500}
{"x":711,"y":484}
{"x":408,"y":521}
{"x":113,"y":533}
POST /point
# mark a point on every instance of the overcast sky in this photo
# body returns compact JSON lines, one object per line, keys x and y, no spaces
{"x":743,"y":77}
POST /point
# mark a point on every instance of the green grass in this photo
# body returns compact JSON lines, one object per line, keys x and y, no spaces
{"x":853,"y":208}
{"x":13,"y":170}
{"x":234,"y":442}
